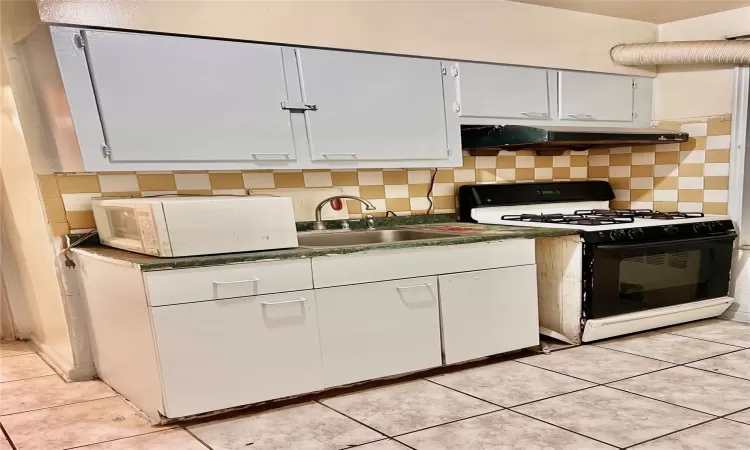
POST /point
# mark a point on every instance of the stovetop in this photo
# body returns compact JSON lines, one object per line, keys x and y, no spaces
{"x":598,"y":217}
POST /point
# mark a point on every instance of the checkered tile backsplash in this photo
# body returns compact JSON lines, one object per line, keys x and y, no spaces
{"x":689,"y":177}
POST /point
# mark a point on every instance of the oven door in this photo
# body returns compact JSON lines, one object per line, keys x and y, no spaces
{"x":626,"y":278}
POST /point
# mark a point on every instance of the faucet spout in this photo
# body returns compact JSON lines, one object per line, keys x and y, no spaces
{"x":319,"y":225}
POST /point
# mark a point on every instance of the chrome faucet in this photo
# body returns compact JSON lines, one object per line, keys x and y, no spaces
{"x":319,"y":225}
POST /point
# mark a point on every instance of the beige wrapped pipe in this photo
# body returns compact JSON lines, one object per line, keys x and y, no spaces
{"x":684,"y":52}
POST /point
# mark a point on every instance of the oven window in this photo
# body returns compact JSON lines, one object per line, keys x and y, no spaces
{"x":631,"y":278}
{"x":123,"y":223}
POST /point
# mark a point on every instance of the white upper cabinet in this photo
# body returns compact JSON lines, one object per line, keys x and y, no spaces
{"x":373,"y":107}
{"x":596,"y":97}
{"x":492,"y":91}
{"x":166,"y":98}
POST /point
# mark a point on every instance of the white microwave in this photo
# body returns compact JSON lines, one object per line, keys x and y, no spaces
{"x":188,"y":226}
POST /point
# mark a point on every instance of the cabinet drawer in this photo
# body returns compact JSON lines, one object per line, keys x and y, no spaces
{"x":378,"y":329}
{"x":488,"y":312}
{"x":170,"y":287}
{"x":366,"y":267}
{"x":232,"y":352}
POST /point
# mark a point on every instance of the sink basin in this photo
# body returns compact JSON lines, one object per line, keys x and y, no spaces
{"x":346,"y":238}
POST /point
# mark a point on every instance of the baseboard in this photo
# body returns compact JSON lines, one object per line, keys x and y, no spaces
{"x":63,"y":367}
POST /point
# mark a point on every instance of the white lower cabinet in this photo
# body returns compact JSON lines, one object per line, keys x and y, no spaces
{"x":223,"y":353}
{"x":488,"y":312}
{"x":374,"y":330}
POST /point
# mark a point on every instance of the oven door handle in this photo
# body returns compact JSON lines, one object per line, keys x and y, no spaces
{"x":724,"y":236}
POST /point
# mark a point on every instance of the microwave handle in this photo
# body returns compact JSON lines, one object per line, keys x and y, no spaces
{"x":726,"y":236}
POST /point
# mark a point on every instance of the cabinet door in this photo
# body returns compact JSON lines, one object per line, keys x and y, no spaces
{"x":596,"y":96}
{"x":495,"y":91}
{"x":373,"y":107}
{"x":488,"y":312}
{"x":166,"y":98}
{"x":224,"y":353}
{"x":378,"y":329}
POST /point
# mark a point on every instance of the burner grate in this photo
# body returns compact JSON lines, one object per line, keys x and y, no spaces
{"x":638,"y":214}
{"x":569,"y":219}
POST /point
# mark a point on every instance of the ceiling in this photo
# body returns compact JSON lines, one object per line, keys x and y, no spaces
{"x":654,"y":11}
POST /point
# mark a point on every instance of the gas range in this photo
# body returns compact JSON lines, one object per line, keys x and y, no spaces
{"x":581,"y":206}
{"x":638,"y":269}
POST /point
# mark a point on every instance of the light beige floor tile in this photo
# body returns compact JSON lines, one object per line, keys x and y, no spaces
{"x":406,"y":407}
{"x":510,"y":383}
{"x":75,"y":425}
{"x":162,"y":440}
{"x":14,"y":368}
{"x":45,"y":392}
{"x":615,"y":417}
{"x":716,"y":330}
{"x":595,"y":364}
{"x":692,"y":388}
{"x":742,"y":416}
{"x":4,"y":444}
{"x":668,"y":347}
{"x":499,"y":430}
{"x":717,"y":435}
{"x":383,"y":445}
{"x":14,"y":348}
{"x":309,"y":426}
{"x":736,"y":364}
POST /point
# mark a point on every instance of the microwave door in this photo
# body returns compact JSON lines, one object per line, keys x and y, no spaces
{"x":627,"y":278}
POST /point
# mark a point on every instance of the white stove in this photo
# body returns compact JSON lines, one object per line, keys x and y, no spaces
{"x":639,"y":269}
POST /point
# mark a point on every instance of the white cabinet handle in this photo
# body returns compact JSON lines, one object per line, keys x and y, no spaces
{"x":582,"y":116}
{"x":335,"y":155}
{"x":286,"y":302}
{"x":281,"y":156}
{"x":251,"y":280}
{"x":415,"y":286}
{"x":539,"y":115}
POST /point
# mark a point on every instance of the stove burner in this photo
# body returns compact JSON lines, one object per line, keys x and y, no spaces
{"x":569,"y":219}
{"x":638,"y":214}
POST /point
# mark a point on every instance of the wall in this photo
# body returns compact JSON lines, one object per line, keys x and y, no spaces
{"x":691,"y":177}
{"x":492,"y":31}
{"x":698,"y":91}
{"x":34,"y":284}
{"x":67,"y":196}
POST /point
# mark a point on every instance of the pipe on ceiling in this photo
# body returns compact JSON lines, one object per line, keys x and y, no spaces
{"x":683,"y":52}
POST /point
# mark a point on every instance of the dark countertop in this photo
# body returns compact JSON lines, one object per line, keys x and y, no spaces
{"x":466,"y":233}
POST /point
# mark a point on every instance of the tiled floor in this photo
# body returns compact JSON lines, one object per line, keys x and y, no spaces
{"x":682,"y":388}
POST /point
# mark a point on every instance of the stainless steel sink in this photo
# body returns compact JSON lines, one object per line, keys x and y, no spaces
{"x":346,"y":238}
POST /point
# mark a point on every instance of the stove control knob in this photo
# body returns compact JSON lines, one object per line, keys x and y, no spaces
{"x":700,"y":227}
{"x":671,"y":230}
{"x":636,"y":233}
{"x":617,"y":235}
{"x":714,"y":226}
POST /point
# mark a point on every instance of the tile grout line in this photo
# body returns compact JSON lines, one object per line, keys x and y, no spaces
{"x":355,"y":420}
{"x":396,"y":436}
{"x":597,"y":382}
{"x":718,"y":373}
{"x":31,"y":378}
{"x":186,"y":430}
{"x":563,"y":428}
{"x":7,"y":437}
{"x":707,"y":340}
{"x":514,"y":411}
{"x":117,"y":439}
{"x":673,"y":432}
{"x":115,"y":394}
{"x":724,"y":417}
{"x":520,"y":404}
{"x":659,"y":400}
{"x":559,"y":373}
{"x":70,"y":404}
{"x":737,"y":349}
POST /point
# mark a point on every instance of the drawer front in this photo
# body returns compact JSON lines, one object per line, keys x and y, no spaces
{"x":377,"y":330}
{"x":171,"y":287}
{"x":366,"y":267}
{"x":232,"y":352}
